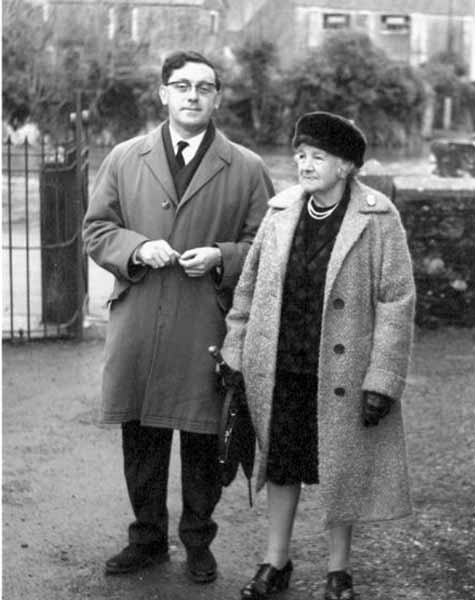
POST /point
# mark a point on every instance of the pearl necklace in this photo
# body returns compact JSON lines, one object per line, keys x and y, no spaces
{"x":319,"y":215}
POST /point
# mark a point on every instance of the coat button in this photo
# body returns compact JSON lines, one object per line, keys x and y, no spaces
{"x":338,"y":303}
{"x":339,"y":349}
{"x":339,"y":391}
{"x":166,"y":204}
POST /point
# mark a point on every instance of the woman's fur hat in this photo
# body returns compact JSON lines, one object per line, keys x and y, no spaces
{"x":331,"y":133}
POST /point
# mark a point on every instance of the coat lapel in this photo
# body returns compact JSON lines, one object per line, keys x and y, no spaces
{"x":286,"y":221}
{"x":353,"y":224}
{"x":218,"y":154}
{"x":154,"y":155}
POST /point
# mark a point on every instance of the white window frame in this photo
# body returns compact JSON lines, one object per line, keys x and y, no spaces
{"x":404,"y":29}
{"x":337,"y":17}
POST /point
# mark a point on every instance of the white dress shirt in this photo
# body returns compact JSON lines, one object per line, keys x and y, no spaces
{"x":193,"y":144}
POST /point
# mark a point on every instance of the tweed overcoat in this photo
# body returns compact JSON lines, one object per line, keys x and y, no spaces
{"x":161,"y":322}
{"x":367,"y":326}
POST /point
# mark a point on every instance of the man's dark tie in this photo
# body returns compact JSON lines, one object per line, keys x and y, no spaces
{"x":179,"y":155}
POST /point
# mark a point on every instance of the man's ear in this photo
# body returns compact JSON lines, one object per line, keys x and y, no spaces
{"x":163,"y":93}
{"x":217,"y":100}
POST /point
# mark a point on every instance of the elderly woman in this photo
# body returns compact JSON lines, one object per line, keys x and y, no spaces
{"x":321,"y":329}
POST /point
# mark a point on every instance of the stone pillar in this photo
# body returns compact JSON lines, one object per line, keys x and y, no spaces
{"x":429,"y":111}
{"x":447,"y":115}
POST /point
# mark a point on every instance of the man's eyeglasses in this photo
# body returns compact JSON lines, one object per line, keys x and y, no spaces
{"x":203,"y":88}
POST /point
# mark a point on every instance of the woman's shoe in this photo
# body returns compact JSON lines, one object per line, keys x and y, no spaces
{"x":339,"y":586}
{"x":267,"y":580}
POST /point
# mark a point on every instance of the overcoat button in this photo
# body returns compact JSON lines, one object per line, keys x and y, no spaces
{"x":370,"y":199}
{"x":339,"y":349}
{"x":338,"y":303}
{"x":166,"y":204}
{"x":339,"y":391}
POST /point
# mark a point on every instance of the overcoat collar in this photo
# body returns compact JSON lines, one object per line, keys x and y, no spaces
{"x":356,"y":218}
{"x":363,"y":202}
{"x":289,"y":203}
{"x":153,"y":152}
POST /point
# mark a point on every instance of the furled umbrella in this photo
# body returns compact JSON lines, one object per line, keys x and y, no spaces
{"x":237,"y":438}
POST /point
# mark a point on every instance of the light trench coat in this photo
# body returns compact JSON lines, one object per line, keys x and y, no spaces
{"x":157,"y":367}
{"x":368,"y":309}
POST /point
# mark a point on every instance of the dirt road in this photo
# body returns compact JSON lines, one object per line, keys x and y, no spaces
{"x":66,"y":509}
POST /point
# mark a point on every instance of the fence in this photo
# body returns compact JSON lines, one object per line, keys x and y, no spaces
{"x":44,"y":197}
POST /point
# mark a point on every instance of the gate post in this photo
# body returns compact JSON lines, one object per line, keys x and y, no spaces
{"x":63,"y":193}
{"x":80,"y":119}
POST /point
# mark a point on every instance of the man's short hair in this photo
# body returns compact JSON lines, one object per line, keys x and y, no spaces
{"x":177,"y":60}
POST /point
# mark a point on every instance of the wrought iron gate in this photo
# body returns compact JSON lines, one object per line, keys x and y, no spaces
{"x":44,"y":197}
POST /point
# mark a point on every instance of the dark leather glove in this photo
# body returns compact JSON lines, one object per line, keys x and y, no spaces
{"x":230,"y":378}
{"x":375,"y":407}
{"x":226,"y":376}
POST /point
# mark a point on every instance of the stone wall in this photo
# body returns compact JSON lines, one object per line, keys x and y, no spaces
{"x":439,"y":217}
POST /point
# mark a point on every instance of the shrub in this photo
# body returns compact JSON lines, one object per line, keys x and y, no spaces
{"x":350,"y":76}
{"x":255,"y":96}
{"x":124,"y":105}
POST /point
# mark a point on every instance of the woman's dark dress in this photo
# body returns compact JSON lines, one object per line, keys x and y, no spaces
{"x":293,"y":451}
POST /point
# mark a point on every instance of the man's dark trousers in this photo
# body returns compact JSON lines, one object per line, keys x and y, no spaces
{"x":146,"y":462}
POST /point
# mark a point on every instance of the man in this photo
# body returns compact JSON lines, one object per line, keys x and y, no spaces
{"x":172,"y":216}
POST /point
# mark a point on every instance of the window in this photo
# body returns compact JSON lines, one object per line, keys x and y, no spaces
{"x":214,"y":22}
{"x":395,"y":23}
{"x":336,"y":21}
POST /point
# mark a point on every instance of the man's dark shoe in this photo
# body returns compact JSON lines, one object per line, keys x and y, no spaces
{"x":201,"y":565}
{"x":135,"y":557}
{"x":339,"y":586}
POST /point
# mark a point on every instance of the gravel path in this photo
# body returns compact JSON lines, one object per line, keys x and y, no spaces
{"x":66,"y":509}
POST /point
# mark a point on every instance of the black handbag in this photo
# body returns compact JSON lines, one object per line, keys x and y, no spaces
{"x":236,"y":436}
